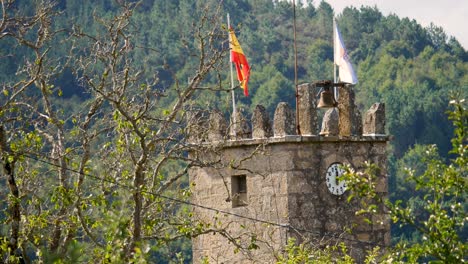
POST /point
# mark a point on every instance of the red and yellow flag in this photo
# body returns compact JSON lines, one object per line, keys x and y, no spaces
{"x":239,"y":59}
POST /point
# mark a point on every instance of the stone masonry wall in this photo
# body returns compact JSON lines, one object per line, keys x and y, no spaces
{"x":286,"y":186}
{"x":312,"y":207}
{"x":266,"y":200}
{"x":284,"y":176}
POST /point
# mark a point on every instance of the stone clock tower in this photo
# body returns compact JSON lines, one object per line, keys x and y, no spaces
{"x":264,"y":184}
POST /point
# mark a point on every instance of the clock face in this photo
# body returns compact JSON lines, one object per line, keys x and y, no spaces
{"x":334,"y":186}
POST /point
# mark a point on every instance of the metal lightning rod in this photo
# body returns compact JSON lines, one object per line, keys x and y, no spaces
{"x":298,"y":126}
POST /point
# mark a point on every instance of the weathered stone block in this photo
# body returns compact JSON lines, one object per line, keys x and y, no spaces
{"x":261,"y":127}
{"x":364,"y":237}
{"x":240,"y":126}
{"x":382,"y":184}
{"x":374,"y":122}
{"x":357,"y":127}
{"x":380,"y":222}
{"x":330,"y":123}
{"x":217,"y":126}
{"x":280,"y":162}
{"x":361,"y":224}
{"x":387,"y":238}
{"x":349,"y":120}
{"x":284,"y":121}
{"x":280,"y":183}
{"x":197,"y":125}
{"x":331,"y":226}
{"x":307,"y":109}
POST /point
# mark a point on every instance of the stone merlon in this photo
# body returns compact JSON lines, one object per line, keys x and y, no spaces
{"x":374,"y":121}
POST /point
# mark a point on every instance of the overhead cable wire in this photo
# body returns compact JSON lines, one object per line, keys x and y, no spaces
{"x":254,"y":219}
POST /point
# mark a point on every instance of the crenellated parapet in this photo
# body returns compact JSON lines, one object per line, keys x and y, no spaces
{"x":342,"y":122}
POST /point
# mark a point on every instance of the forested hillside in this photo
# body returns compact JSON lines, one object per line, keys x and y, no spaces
{"x":410,"y":68}
{"x":94,"y":92}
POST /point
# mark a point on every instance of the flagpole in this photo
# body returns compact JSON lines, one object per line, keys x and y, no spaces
{"x":334,"y":57}
{"x":232,"y":81}
{"x":298,"y":126}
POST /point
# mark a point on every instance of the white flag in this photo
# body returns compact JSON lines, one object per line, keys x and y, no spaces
{"x":346,"y":71}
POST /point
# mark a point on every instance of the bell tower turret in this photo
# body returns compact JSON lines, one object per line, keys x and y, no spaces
{"x":273,"y":185}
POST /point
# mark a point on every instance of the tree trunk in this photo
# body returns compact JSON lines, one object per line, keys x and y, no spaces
{"x":14,"y":202}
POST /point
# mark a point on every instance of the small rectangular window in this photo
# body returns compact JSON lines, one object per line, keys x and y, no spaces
{"x":239,"y":190}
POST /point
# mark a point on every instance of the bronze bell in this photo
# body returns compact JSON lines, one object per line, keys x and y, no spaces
{"x":327,"y":100}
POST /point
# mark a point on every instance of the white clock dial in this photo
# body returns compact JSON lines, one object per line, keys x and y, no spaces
{"x":334,"y":186}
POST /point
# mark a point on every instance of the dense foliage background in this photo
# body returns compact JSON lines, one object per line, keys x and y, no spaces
{"x":412,"y":69}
